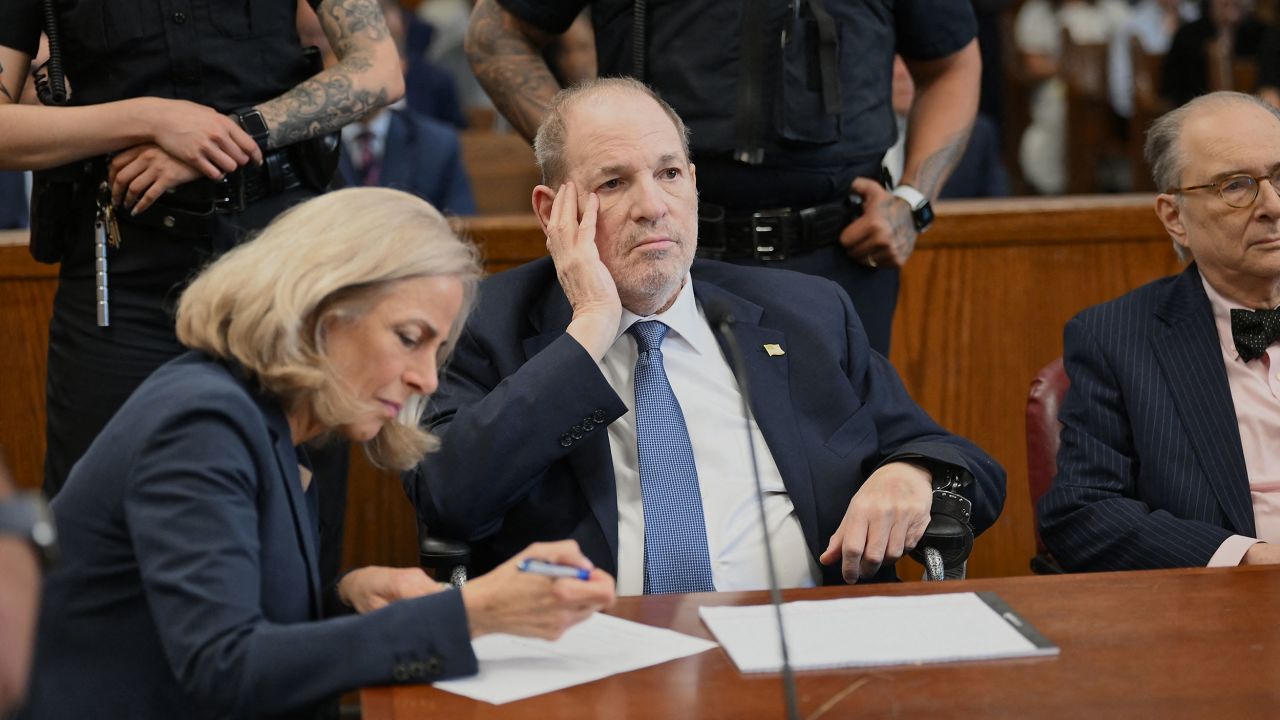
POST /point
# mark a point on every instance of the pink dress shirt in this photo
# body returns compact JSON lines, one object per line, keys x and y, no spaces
{"x":1255,"y":391}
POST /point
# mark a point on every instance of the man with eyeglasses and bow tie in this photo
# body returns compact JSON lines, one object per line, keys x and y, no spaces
{"x":1170,"y":451}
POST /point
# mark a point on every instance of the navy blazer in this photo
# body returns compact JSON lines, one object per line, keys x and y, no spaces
{"x":1151,"y":472}
{"x":14,"y":203}
{"x":421,"y":156}
{"x":188,"y":585}
{"x":522,"y":411}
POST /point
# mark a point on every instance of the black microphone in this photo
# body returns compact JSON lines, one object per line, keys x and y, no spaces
{"x":721,"y":318}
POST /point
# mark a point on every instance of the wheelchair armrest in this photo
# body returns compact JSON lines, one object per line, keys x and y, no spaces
{"x":443,"y":557}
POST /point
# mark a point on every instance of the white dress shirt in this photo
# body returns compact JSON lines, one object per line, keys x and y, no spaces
{"x":712,"y":405}
{"x":377,"y":127}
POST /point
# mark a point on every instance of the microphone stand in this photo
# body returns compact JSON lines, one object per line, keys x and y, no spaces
{"x":737,"y":366}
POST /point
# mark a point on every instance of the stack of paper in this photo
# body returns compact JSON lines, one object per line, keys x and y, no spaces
{"x":513,"y":668}
{"x":858,"y":632}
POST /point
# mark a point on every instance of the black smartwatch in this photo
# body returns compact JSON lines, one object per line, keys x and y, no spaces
{"x":251,"y":121}
{"x":921,"y":210}
{"x":26,"y":515}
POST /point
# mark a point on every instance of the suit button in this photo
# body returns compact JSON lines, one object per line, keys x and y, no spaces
{"x":598,"y":416}
{"x":565,"y":440}
{"x":576,"y":432}
{"x":434,"y":666}
{"x":588,"y":424}
{"x":418,"y":670}
{"x":179,"y":18}
{"x":400,"y":672}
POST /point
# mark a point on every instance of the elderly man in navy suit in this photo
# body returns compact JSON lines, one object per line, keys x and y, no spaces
{"x":1170,"y":451}
{"x":590,"y":397}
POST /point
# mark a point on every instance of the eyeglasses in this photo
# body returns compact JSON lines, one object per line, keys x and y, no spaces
{"x":1238,"y":191}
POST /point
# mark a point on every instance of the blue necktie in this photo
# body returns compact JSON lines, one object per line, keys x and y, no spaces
{"x":675,"y":535}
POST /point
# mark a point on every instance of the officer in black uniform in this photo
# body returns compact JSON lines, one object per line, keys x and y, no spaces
{"x":205,"y":121}
{"x":788,"y":103}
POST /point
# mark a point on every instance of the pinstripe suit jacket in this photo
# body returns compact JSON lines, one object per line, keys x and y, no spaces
{"x":1151,"y":472}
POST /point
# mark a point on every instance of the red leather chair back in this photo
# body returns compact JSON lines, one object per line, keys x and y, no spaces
{"x":1043,"y":429}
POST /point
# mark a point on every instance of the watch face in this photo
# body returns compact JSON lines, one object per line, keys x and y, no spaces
{"x":26,"y":515}
{"x":923,"y":217}
{"x":254,"y":124}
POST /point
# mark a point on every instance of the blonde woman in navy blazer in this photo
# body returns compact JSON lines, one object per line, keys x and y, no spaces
{"x":189,"y":582}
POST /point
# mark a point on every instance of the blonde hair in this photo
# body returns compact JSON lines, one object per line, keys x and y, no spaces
{"x":266,"y":303}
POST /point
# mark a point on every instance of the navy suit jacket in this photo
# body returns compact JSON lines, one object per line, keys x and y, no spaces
{"x":189,"y":586}
{"x":14,"y":205}
{"x":1150,"y":472}
{"x":421,"y":156}
{"x":522,"y":411}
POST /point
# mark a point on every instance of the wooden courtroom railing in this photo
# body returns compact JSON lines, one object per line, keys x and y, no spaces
{"x":982,"y":307}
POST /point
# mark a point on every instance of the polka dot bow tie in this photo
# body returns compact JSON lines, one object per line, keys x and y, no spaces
{"x":1253,"y":331}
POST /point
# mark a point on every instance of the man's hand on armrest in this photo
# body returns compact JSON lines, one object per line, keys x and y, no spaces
{"x":886,"y":518}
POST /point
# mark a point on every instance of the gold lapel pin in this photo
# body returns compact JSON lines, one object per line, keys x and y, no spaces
{"x":774,"y":349}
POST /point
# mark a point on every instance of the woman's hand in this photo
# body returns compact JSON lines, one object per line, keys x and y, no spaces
{"x":201,"y":137}
{"x":140,"y":175}
{"x":510,"y":601}
{"x":369,"y":588}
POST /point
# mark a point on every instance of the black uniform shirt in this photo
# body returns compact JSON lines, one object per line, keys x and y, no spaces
{"x":694,"y":59}
{"x":226,"y":55}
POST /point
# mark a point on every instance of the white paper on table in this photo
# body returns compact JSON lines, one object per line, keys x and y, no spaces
{"x":514,"y":668}
{"x":881,"y":630}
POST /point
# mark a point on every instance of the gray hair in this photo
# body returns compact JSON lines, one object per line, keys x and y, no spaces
{"x":549,"y":144}
{"x":1162,"y":151}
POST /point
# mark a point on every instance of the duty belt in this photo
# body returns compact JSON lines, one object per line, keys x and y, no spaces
{"x":186,"y":208}
{"x":773,"y":234}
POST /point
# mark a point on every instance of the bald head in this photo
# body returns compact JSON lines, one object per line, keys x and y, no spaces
{"x":1163,"y":150}
{"x":550,"y":144}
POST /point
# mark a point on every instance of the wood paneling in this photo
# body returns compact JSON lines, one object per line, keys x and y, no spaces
{"x":982,"y":307}
{"x":502,"y":170}
{"x":26,"y":301}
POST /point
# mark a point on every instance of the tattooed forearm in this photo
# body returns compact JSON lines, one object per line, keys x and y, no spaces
{"x":936,"y":168}
{"x":505,"y":57}
{"x":4,"y":89}
{"x":318,"y":106}
{"x":344,"y":93}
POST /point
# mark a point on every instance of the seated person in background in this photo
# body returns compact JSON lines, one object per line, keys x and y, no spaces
{"x":566,"y":414}
{"x":1153,"y":23}
{"x":1169,"y":452}
{"x":1269,"y":65}
{"x":980,"y":172}
{"x":429,"y":89}
{"x":398,"y":147}
{"x":188,"y":585}
{"x":1037,"y":33}
{"x":1225,"y":25}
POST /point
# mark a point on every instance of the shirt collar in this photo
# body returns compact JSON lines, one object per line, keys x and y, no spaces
{"x":377,"y":125}
{"x":1222,"y":308}
{"x":684,"y":317}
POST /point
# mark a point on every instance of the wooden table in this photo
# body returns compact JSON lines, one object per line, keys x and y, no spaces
{"x":1195,"y":643}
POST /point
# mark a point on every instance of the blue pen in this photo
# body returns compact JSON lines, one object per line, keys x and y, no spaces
{"x":541,"y":567}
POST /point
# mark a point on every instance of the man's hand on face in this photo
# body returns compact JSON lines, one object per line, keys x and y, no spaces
{"x":885,"y":234}
{"x":586,"y":281}
{"x":886,"y":518}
